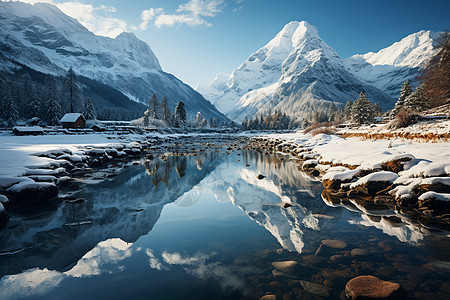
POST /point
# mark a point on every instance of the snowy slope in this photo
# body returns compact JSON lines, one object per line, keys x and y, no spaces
{"x":295,"y":72}
{"x":43,"y":38}
{"x":388,"y":68}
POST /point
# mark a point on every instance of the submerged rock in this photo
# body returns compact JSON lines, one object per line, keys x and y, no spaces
{"x":336,"y":244}
{"x":315,"y":289}
{"x":371,"y":287}
{"x":285,"y":266}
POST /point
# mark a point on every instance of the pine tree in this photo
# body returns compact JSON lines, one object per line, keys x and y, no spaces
{"x":72,"y":95}
{"x":53,"y":109}
{"x":180,"y":114}
{"x":166,"y":114}
{"x":11,"y":110}
{"x":88,"y":110}
{"x":200,"y":122}
{"x":417,"y":101}
{"x":213,"y":123}
{"x":348,"y":109}
{"x":405,"y":91}
{"x":362,"y":110}
{"x":146,"y":119}
{"x":153,"y":108}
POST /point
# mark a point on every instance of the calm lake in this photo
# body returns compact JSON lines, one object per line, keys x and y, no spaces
{"x":205,"y":227}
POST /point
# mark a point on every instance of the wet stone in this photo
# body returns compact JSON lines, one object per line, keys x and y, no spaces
{"x":335,"y":244}
{"x":315,"y":289}
{"x":285,"y":266}
{"x":268,"y":297}
{"x":371,"y":287}
{"x":359,"y":252}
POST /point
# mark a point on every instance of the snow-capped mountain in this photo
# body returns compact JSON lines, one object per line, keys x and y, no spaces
{"x":388,"y":68}
{"x":43,"y":38}
{"x":297,"y":71}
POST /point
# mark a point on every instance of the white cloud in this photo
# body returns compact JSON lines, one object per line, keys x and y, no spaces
{"x":206,"y":8}
{"x":97,"y":19}
{"x":148,"y":15}
{"x":192,"y":13}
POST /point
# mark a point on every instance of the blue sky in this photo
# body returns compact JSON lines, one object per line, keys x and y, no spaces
{"x":196,"y":39}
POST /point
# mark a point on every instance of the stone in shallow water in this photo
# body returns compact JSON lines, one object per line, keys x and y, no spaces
{"x":285,"y":266}
{"x":268,"y":297}
{"x":315,"y":289}
{"x":359,"y":252}
{"x":335,"y":244}
{"x":371,"y":287}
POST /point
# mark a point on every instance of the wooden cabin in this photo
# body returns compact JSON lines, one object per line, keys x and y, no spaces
{"x":73,"y":121}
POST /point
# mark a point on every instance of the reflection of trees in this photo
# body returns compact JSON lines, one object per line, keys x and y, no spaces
{"x":181,"y":166}
{"x":125,"y":207}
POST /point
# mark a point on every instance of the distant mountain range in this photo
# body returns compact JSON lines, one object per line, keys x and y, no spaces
{"x":297,"y":73}
{"x":44,"y":39}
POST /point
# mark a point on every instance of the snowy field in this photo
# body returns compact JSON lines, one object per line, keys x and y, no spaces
{"x":18,"y":152}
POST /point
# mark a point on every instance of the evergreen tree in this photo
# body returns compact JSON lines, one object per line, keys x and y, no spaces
{"x":362,"y":110}
{"x":245,"y":123}
{"x":88,"y":110}
{"x":166,"y":114}
{"x":180,"y":114}
{"x":417,"y":101}
{"x":153,"y":108}
{"x":213,"y":123}
{"x":72,"y":95}
{"x":348,"y":109}
{"x":53,"y":109}
{"x":405,"y":91}
{"x":11,"y":110}
{"x":146,"y":119}
{"x":199,"y":121}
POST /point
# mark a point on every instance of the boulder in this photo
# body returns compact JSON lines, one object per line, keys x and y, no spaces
{"x":335,"y":244}
{"x":268,"y":297}
{"x":285,"y":266}
{"x":371,"y":287}
{"x":397,"y":163}
{"x":315,"y":289}
{"x":359,"y":252}
{"x":33,"y":191}
{"x":373,"y":183}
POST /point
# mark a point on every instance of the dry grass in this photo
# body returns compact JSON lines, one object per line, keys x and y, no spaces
{"x":420,"y":137}
{"x":325,"y":128}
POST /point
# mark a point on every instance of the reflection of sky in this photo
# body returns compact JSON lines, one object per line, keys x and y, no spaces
{"x":39,"y":282}
{"x":193,"y":232}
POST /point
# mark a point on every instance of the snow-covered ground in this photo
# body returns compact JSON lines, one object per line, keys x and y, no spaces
{"x":18,"y":152}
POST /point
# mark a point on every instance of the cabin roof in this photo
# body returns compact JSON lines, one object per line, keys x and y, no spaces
{"x":71,"y":118}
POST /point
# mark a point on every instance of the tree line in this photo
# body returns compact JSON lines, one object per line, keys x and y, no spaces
{"x":160,"y":115}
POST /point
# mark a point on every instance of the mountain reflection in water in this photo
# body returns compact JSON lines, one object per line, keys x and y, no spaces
{"x":205,"y":223}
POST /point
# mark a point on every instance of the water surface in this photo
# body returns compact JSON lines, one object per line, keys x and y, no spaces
{"x":204,"y":227}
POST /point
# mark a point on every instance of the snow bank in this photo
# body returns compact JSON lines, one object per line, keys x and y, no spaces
{"x":343,"y":176}
{"x":435,"y":196}
{"x":377,"y":176}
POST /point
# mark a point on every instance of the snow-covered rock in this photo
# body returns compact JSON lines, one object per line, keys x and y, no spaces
{"x":295,"y":72}
{"x":33,"y":191}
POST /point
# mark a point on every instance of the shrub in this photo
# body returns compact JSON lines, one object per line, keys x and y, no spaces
{"x":404,"y":118}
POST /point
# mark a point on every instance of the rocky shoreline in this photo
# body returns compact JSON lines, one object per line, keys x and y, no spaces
{"x":421,"y":195}
{"x":65,"y":173}
{"x":382,"y":194}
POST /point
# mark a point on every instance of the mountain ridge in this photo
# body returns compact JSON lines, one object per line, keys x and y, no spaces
{"x":296,"y":72}
{"x":43,"y":38}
